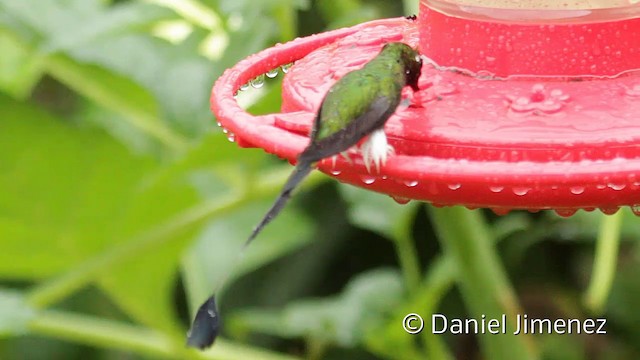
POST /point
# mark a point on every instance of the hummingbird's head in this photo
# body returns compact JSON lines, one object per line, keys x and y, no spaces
{"x":413,"y":66}
{"x":410,"y":59}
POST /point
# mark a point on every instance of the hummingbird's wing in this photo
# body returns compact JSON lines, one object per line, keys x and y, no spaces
{"x":370,"y":120}
{"x":373,"y":118}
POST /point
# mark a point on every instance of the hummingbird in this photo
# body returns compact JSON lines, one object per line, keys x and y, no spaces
{"x":357,"y":106}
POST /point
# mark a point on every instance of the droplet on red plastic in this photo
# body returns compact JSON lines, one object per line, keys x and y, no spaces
{"x":411,"y":183}
{"x":500,"y":211}
{"x":272,"y":73}
{"x":401,"y":200}
{"x":521,"y":190}
{"x":609,"y":210}
{"x":577,"y":190}
{"x":565,"y":212}
{"x":368,"y":179}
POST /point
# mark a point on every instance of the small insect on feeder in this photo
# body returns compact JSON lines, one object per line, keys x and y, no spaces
{"x":517,"y":109}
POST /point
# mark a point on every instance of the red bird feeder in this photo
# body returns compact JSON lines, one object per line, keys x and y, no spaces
{"x":517,"y":109}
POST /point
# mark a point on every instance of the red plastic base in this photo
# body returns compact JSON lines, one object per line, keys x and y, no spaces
{"x":507,"y":42}
{"x":516,"y":144}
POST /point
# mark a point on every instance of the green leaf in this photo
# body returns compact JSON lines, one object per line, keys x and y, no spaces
{"x":393,"y":342}
{"x":218,"y":252}
{"x":73,"y":23}
{"x":73,"y":194}
{"x":200,"y":177}
{"x":90,"y":47}
{"x":584,"y":226}
{"x":562,"y":347}
{"x":179,"y":78}
{"x":19,"y":69}
{"x":373,"y":211}
{"x":15,"y":314}
{"x":63,"y":190}
{"x":235,"y":6}
{"x":361,"y":309}
{"x":116,"y":93}
{"x":347,"y":12}
{"x":118,"y":126}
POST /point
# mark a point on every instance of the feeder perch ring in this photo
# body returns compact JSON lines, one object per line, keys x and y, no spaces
{"x":503,"y":142}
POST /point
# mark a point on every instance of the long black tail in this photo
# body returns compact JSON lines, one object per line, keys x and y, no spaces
{"x":207,"y":323}
{"x":302,"y":169}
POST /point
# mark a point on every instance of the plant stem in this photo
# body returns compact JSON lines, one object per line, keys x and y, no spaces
{"x":482,"y":279}
{"x":58,"y":288}
{"x":111,"y":334}
{"x":407,"y":253}
{"x":605,"y":261}
{"x":437,"y":282}
{"x":79,"y":78}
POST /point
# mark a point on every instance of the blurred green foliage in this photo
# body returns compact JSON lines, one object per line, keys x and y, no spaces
{"x":122,"y":205}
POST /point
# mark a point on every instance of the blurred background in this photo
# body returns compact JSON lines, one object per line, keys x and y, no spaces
{"x":123,"y":206}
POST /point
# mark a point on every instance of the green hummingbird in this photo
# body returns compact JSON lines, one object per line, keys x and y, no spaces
{"x":356,"y":106}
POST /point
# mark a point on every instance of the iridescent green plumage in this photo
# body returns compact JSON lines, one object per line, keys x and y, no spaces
{"x":396,"y":66}
{"x":356,"y":106}
{"x":363,"y":100}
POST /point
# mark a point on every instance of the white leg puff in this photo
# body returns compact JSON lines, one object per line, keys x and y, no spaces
{"x":376,"y":150}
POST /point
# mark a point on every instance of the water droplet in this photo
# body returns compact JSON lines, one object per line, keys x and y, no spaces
{"x":521,"y":191}
{"x":219,"y":123}
{"x":258,"y":82}
{"x":411,"y":183}
{"x":609,"y":210}
{"x":286,"y":67}
{"x":565,"y":212}
{"x":636,"y":210}
{"x":496,"y":189}
{"x":537,"y":92}
{"x":401,"y":200}
{"x":500,"y":211}
{"x":616,"y":187}
{"x":508,"y":47}
{"x":272,"y":73}
{"x":633,"y":91}
{"x":559,"y":95}
{"x":335,"y":172}
{"x":244,"y":87}
{"x":368,"y":180}
{"x":577,"y":190}
{"x":235,"y":94}
{"x":454,"y":186}
{"x":231,"y":137}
